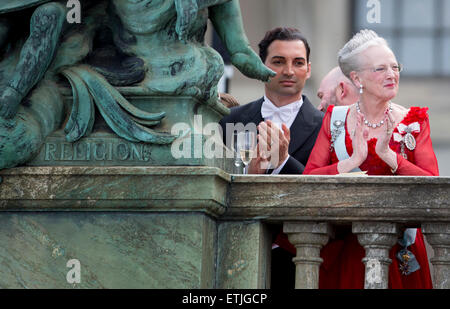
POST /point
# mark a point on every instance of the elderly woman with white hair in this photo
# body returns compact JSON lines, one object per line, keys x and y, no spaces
{"x":378,"y":137}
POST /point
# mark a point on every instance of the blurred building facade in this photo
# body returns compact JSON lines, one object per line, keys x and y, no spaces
{"x":418,"y":32}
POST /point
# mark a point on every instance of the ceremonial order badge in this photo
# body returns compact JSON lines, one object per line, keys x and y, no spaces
{"x":405,"y":136}
{"x":338,"y":124}
{"x":410,"y":141}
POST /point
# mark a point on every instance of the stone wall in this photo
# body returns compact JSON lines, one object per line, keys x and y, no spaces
{"x":199,"y":227}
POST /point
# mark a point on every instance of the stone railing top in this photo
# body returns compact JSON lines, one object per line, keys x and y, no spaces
{"x":118,"y":170}
{"x":343,"y":199}
{"x":155,"y":189}
{"x":339,"y":179}
{"x":339,"y":199}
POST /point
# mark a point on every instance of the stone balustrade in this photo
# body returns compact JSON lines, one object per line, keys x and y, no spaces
{"x":199,"y":227}
{"x":376,"y":208}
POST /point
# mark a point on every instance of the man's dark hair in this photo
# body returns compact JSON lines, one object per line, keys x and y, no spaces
{"x":282,"y":34}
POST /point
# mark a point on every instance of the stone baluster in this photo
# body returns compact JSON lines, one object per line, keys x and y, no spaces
{"x":308,"y":238}
{"x":438,"y":236}
{"x":377,"y":238}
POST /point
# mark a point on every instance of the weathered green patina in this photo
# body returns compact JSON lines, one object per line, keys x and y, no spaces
{"x":29,"y":74}
{"x":78,"y":101}
{"x":16,"y":5}
{"x":156,"y":48}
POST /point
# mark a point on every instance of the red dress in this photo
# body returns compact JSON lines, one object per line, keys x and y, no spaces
{"x":342,"y":266}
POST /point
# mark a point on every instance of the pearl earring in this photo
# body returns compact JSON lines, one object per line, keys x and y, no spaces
{"x":360,"y":89}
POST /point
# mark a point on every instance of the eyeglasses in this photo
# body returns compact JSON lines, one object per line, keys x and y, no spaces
{"x":382,"y":69}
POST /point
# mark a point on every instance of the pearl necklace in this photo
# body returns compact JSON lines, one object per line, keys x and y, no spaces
{"x":367,"y":123}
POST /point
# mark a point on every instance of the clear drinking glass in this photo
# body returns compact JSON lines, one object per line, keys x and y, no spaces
{"x":246,"y":144}
{"x":237,"y":156}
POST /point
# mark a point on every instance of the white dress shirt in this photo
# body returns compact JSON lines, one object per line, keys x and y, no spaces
{"x":278,"y":115}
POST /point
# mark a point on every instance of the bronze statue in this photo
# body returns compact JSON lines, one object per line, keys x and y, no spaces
{"x":156,"y":46}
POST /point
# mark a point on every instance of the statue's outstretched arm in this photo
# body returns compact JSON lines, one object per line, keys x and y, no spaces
{"x":227,"y":21}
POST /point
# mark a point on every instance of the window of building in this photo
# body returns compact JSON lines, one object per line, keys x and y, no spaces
{"x":418,"y":32}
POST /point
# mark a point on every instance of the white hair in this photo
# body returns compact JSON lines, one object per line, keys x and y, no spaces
{"x":348,"y":55}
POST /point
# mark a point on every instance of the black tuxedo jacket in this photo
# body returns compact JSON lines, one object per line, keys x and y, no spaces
{"x":304,"y":130}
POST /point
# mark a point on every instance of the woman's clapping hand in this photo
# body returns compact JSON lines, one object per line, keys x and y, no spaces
{"x":359,"y":140}
{"x":382,"y":148}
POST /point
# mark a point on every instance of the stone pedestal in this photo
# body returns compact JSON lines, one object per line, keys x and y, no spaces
{"x":131,"y":215}
{"x":128,"y":227}
{"x":308,"y":238}
{"x":377,"y":239}
{"x":114,"y":250}
{"x":438,"y":235}
{"x":201,"y":144}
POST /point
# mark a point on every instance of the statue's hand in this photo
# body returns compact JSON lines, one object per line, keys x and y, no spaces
{"x":251,"y":66}
{"x":9,"y":102}
{"x":186,"y":14}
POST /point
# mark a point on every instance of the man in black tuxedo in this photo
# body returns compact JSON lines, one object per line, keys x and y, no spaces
{"x":288,"y":125}
{"x":286,"y":119}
